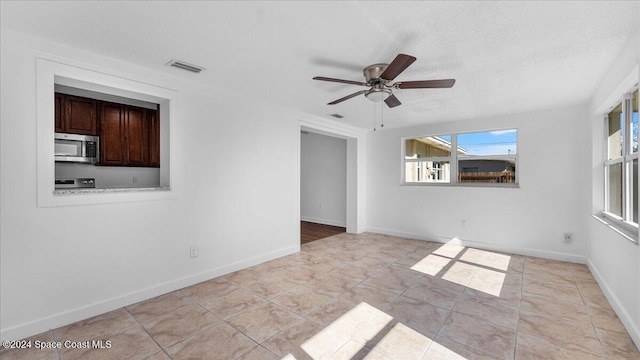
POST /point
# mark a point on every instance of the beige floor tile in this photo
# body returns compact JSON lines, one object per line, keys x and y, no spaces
{"x":507,"y":297}
{"x":460,"y":273}
{"x":416,"y":314}
{"x":567,"y":333}
{"x":561,"y":292}
{"x":259,"y":353}
{"x":26,"y":353}
{"x":361,"y":299}
{"x":160,"y":355}
{"x":606,"y":319}
{"x":487,"y":259}
{"x":487,"y":280}
{"x":554,"y":307}
{"x":241,"y":276}
{"x":349,"y":333}
{"x":449,"y":251}
{"x":132,"y":344}
{"x":331,"y":311}
{"x":533,"y":348}
{"x":490,"y":310}
{"x":233,"y":303}
{"x":403,"y":343}
{"x":289,"y":340}
{"x":516,"y":265}
{"x":219,"y":342}
{"x":479,"y":334}
{"x":394,"y":279}
{"x":352,"y":272}
{"x":157,"y":307}
{"x":435,"y":291}
{"x":180,"y":324}
{"x":269,"y":287}
{"x":560,"y":279}
{"x":442,"y":348}
{"x":330,"y":286}
{"x":207,"y":289}
{"x":580,"y":271}
{"x":372,"y":296}
{"x":97,"y":327}
{"x":533,"y":264}
{"x":264,"y":321}
{"x":618,"y":345}
{"x":513,"y":281}
{"x":301,"y":300}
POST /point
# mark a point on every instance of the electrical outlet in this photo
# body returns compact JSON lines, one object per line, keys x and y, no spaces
{"x":463,"y":223}
{"x":135,"y":179}
{"x":193,"y":251}
{"x":568,"y":237}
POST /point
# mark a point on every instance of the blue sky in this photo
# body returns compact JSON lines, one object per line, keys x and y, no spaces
{"x":500,"y":142}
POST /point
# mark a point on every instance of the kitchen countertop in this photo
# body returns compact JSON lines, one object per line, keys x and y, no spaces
{"x":106,"y":191}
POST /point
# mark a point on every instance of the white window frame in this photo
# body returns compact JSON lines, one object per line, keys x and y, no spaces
{"x":454,"y":159}
{"x":627,"y":158}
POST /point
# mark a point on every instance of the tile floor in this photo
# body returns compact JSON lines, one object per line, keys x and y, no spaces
{"x":366,"y":296}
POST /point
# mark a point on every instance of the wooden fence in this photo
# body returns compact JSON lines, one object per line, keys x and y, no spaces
{"x":487,"y":177}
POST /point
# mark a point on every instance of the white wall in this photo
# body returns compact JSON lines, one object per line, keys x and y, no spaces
{"x":62,"y":264}
{"x":613,"y":259}
{"x":323,"y":179}
{"x":531,"y":219}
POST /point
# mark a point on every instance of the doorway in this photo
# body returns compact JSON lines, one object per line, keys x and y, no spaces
{"x":323,"y":186}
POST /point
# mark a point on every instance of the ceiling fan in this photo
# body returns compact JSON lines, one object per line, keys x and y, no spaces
{"x":378,"y":76}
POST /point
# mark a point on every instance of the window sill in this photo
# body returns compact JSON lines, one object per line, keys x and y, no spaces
{"x":618,"y":228}
{"x":103,"y":191}
{"x":466,"y":185}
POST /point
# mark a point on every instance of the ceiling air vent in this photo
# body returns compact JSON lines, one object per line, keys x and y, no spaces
{"x":337,"y":116}
{"x":185,"y":66}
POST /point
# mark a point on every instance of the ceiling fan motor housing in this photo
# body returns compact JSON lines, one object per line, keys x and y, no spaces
{"x":372,"y":73}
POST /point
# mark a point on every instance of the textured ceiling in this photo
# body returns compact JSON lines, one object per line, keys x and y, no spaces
{"x":507,"y":57}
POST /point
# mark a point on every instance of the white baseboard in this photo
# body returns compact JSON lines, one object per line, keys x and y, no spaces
{"x":486,"y":246}
{"x":620,"y":310}
{"x":324,"y":221}
{"x":67,"y":317}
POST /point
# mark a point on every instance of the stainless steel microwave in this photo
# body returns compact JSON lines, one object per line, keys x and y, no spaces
{"x":76,"y":148}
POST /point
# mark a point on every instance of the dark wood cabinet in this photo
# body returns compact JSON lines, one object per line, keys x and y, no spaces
{"x":112,"y":134}
{"x":125,"y":135}
{"x":75,"y":115}
{"x":136,"y":137}
{"x":59,"y":112}
{"x":129,"y":135}
{"x":154,"y":138}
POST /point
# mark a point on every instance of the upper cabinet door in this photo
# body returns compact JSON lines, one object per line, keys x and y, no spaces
{"x":137,"y":137}
{"x":59,"y":112}
{"x":80,"y":115}
{"x":153,"y":120}
{"x":112,"y":129}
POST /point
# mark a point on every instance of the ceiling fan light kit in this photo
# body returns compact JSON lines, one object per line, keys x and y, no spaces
{"x":377,"y":77}
{"x":378,"y":94}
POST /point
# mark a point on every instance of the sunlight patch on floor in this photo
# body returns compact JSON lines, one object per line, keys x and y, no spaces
{"x":367,"y":333}
{"x":487,"y":258}
{"x":347,"y":335}
{"x":431,"y":264}
{"x":468,"y":267}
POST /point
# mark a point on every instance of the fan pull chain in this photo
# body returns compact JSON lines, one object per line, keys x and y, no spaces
{"x":378,"y":112}
{"x":374,"y":116}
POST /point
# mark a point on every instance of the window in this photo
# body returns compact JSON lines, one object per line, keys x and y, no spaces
{"x":621,"y":163}
{"x":487,"y":157}
{"x":428,"y":159}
